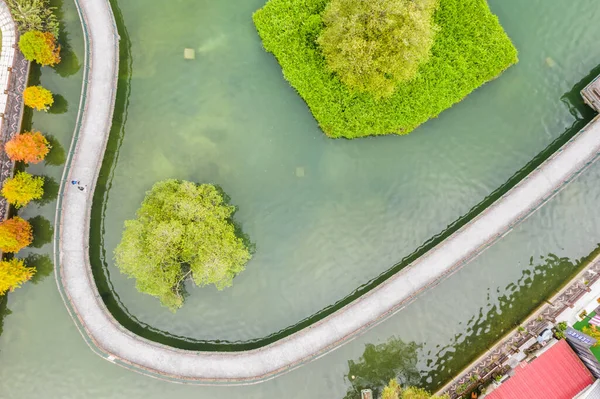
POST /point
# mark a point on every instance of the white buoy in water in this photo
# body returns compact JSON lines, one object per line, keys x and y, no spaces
{"x":299,"y":172}
{"x":189,"y":53}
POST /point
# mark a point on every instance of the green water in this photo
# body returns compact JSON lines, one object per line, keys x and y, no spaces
{"x":228,"y":117}
{"x":327,"y":216}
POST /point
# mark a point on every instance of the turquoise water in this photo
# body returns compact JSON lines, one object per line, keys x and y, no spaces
{"x":425,"y":181}
{"x":327,"y":216}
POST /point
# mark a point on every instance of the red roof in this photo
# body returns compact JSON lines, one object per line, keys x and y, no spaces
{"x":557,"y":374}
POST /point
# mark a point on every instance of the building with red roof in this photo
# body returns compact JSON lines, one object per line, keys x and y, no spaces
{"x":558,"y":373}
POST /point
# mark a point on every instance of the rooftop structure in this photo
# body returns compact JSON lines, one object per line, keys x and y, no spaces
{"x":591,"y":94}
{"x":557,"y":374}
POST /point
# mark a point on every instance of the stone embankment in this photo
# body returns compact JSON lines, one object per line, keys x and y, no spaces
{"x":113,"y":342}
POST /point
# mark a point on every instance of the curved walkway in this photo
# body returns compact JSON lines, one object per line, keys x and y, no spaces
{"x":113,"y":342}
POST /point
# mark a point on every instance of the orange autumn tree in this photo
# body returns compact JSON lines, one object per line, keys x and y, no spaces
{"x":38,"y":97}
{"x":40,"y":47}
{"x":22,"y":189}
{"x":15,"y":234}
{"x":13,"y":273}
{"x":29,"y":147}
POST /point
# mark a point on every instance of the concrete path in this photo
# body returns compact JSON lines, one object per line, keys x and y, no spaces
{"x":111,"y":341}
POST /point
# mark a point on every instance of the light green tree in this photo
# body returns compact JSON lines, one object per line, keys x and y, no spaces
{"x":392,"y":390}
{"x":33,"y":15}
{"x":372,"y":45}
{"x":182,"y":229}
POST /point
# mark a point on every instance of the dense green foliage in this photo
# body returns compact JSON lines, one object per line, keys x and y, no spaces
{"x":373,"y":45}
{"x":470,"y":48}
{"x":33,"y":15}
{"x":182,"y":229}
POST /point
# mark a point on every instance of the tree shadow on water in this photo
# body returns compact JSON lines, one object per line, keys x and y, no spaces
{"x":60,"y":105}
{"x":4,"y":310}
{"x":57,"y":155}
{"x":43,"y":265}
{"x":51,"y":188}
{"x":42,"y":231}
{"x":69,"y":63}
{"x":381,"y":363}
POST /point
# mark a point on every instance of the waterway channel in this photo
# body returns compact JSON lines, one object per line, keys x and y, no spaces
{"x":327,"y":216}
{"x":360,"y":207}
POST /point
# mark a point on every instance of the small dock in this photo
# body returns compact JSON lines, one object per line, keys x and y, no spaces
{"x":591,"y":94}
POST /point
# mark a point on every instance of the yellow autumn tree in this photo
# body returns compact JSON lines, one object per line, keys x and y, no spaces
{"x":392,"y":390}
{"x":22,"y":189}
{"x":15,"y":234}
{"x":38,"y":98}
{"x":13,"y":273}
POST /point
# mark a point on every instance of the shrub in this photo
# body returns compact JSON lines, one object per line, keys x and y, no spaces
{"x":13,"y":273}
{"x":182,"y":229}
{"x":40,"y":47}
{"x":33,"y":15}
{"x":38,"y":98}
{"x":394,"y":391}
{"x":15,"y":234}
{"x":593,"y":332}
{"x":29,"y":147}
{"x":391,"y":390}
{"x":22,"y":189}
{"x":373,"y":45}
{"x":470,"y":48}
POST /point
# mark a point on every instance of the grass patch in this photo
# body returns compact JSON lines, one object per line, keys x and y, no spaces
{"x":470,"y":49}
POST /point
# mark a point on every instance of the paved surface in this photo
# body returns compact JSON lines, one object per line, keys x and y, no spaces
{"x":14,"y":70}
{"x":111,"y":341}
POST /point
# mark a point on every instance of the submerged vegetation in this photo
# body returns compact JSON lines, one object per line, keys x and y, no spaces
{"x":182,"y":230}
{"x":469,"y":49}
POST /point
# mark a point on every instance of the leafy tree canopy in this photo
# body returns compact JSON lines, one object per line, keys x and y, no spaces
{"x":29,"y":147}
{"x":33,"y":15}
{"x":38,"y":97}
{"x":182,"y":229}
{"x":470,"y":48}
{"x":40,"y":47}
{"x":15,"y":234}
{"x":22,"y":189}
{"x":372,"y":45}
{"x":13,"y":273}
